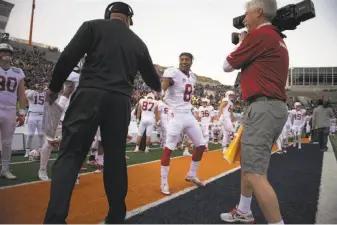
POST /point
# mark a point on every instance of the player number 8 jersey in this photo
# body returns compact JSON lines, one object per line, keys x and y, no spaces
{"x":178,"y":97}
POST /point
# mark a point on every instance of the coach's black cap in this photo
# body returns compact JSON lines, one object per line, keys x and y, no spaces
{"x":121,"y":7}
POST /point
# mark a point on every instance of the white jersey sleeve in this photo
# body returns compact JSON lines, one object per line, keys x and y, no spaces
{"x":227,"y":110}
{"x":169,"y":72}
{"x":29,"y":94}
{"x":74,"y":77}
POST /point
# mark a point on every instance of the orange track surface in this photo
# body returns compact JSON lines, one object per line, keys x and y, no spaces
{"x":27,"y":203}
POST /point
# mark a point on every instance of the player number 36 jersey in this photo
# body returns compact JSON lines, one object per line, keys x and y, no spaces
{"x":178,"y":97}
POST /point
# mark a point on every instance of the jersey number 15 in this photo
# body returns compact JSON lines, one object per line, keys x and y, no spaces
{"x":39,"y":100}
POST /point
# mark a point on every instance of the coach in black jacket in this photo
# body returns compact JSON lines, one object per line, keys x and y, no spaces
{"x":114,"y":54}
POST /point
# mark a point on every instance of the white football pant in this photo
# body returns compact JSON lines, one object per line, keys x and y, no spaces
{"x":7,"y":129}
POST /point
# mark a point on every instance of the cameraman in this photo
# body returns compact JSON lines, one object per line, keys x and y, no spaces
{"x":263,"y":59}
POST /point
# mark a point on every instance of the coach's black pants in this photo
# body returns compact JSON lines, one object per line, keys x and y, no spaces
{"x":90,"y":108}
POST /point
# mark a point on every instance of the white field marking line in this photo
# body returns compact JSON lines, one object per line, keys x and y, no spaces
{"x":327,"y":200}
{"x":175,"y":195}
{"x":52,"y":159}
{"x":83,"y":174}
{"x":146,"y":207}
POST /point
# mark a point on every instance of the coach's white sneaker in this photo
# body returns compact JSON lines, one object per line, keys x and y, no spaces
{"x":236,"y":216}
{"x":7,"y":174}
{"x":43,"y":174}
{"x":164,"y":188}
{"x":195,"y":180}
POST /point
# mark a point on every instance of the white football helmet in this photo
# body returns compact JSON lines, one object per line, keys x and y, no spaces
{"x":297,"y":105}
{"x":4,"y":50}
{"x":205,"y":101}
{"x":34,"y":155}
{"x":217,"y":131}
{"x":230,"y":95}
{"x":150,"y":95}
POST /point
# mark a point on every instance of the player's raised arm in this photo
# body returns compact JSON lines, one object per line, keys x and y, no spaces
{"x":221,"y":107}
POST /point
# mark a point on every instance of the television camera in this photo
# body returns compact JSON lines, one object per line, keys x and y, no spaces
{"x":287,"y":18}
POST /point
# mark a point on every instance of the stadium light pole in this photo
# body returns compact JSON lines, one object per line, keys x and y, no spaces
{"x":31,"y":24}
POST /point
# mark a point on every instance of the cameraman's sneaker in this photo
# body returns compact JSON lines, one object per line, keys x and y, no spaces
{"x":236,"y":216}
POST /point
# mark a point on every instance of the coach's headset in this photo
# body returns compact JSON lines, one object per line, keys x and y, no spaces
{"x":119,"y":7}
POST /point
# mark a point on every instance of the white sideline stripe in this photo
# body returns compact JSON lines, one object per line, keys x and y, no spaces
{"x":83,"y":174}
{"x":175,"y":195}
{"x":327,"y":201}
{"x":53,"y":159}
{"x":146,"y":207}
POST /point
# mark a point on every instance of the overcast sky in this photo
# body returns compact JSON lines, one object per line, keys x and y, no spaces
{"x":169,"y":27}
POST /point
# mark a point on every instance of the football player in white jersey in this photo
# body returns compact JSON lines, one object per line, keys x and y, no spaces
{"x":69,"y":88}
{"x":97,"y":148}
{"x":214,"y":115}
{"x":282,"y":141}
{"x":11,"y":87}
{"x":216,"y":131}
{"x":298,"y":118}
{"x":35,"y":116}
{"x":205,"y":117}
{"x":307,"y":125}
{"x":148,"y":111}
{"x":226,"y":117}
{"x":178,"y":85}
{"x":163,"y":112}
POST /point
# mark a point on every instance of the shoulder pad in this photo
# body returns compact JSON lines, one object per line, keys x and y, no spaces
{"x":17,"y":70}
{"x":171,"y":69}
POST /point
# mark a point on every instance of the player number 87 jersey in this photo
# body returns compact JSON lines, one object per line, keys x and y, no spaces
{"x":178,"y":97}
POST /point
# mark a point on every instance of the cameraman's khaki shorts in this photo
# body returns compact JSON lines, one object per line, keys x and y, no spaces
{"x":263,"y":122}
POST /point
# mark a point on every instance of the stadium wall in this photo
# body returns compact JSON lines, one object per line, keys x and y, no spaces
{"x":5,"y":11}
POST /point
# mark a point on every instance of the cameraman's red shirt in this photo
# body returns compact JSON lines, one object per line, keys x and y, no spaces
{"x":264,"y":60}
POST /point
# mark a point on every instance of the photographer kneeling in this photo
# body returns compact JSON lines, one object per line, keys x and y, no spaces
{"x":263,"y":59}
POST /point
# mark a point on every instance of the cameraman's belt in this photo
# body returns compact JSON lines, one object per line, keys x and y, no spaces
{"x":252,"y":99}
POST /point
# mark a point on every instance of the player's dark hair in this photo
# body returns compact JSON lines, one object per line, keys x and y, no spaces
{"x":189,"y":55}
